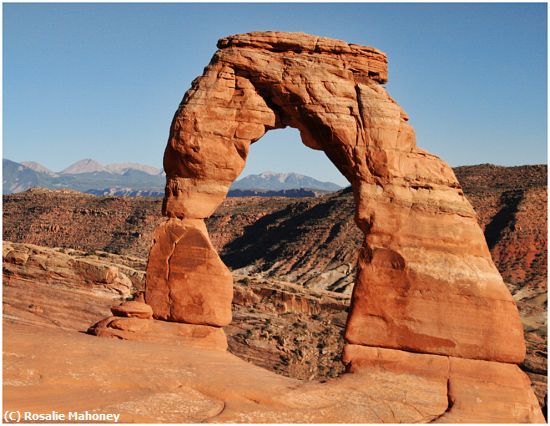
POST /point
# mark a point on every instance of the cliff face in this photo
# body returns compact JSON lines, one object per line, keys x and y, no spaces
{"x":313,"y":242}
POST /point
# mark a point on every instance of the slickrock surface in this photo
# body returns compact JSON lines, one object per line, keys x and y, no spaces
{"x":53,"y":267}
{"x":179,"y":386}
{"x":275,"y":325}
{"x":61,"y":287}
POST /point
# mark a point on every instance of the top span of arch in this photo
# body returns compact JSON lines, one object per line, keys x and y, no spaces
{"x":328,"y":89}
{"x":367,"y":60}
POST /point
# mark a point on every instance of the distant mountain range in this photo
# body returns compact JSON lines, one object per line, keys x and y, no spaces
{"x":270,"y":181}
{"x":88,"y":165}
{"x":84,"y":176}
{"x":91,"y":166}
{"x":132,"y":179}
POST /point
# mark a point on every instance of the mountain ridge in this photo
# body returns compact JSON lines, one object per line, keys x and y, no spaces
{"x":86,"y":165}
{"x":37,"y":167}
{"x":275,"y":181}
{"x":135,"y":179}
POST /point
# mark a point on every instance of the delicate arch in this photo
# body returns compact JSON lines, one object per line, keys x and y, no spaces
{"x":426,"y":282}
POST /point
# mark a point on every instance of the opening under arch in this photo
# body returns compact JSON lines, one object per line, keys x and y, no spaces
{"x":293,"y":261}
{"x":282,"y":151}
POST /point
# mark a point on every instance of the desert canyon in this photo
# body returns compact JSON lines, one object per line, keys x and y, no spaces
{"x":392,"y":311}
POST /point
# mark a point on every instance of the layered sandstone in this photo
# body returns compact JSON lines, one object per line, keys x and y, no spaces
{"x":133,"y":321}
{"x":61,"y":288}
{"x":477,"y":391}
{"x":133,"y":309}
{"x":28,"y":262}
{"x":186,"y":279}
{"x":276,"y":325}
{"x":426,"y":281}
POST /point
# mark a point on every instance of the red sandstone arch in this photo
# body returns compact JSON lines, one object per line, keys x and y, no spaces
{"x":426,"y":282}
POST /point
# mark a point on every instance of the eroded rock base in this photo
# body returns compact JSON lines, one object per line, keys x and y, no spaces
{"x":186,"y":280}
{"x":134,"y":321}
{"x":474,"y":391}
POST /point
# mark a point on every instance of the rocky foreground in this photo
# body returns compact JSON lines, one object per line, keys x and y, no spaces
{"x":51,"y":296}
{"x":275,"y":324}
{"x":169,"y":383}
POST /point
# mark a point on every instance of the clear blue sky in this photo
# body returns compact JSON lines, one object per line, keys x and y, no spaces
{"x":102,"y":81}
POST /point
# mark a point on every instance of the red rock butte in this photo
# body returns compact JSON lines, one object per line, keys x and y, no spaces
{"x":427,"y":300}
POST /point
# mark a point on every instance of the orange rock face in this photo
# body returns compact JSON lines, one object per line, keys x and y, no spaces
{"x":426,"y":281}
{"x":443,"y":312}
{"x":133,"y":309}
{"x":186,"y":280}
{"x":474,"y":391}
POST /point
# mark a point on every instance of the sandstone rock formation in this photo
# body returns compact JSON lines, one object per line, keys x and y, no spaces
{"x":155,"y":382}
{"x":61,"y":288}
{"x":133,"y":309}
{"x":422,"y":249}
{"x":133,"y":321}
{"x":187,"y":281}
{"x":426,"y":282}
{"x":477,"y":391}
{"x":27,"y":261}
{"x":276,"y":325}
